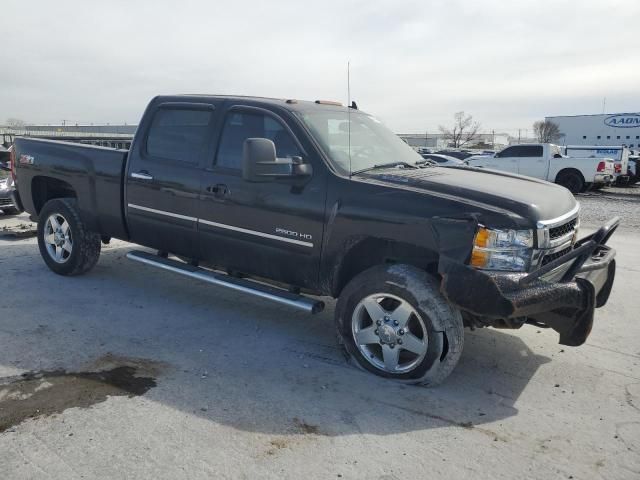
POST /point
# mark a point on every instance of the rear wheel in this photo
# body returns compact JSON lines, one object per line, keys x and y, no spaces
{"x":572,"y":181}
{"x":66,"y":246}
{"x":393,"y":321}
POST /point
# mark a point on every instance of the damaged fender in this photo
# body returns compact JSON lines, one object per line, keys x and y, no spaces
{"x":567,"y":306}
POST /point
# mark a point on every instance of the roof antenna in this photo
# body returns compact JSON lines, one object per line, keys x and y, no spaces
{"x":349,"y":111}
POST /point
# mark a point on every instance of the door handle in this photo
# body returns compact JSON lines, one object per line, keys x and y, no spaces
{"x":142,"y":175}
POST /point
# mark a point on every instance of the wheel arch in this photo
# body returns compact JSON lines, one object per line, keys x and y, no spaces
{"x":567,"y":170}
{"x":44,"y":188}
{"x":369,"y":252}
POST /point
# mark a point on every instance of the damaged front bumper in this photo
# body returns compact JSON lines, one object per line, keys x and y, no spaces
{"x":582,"y":282}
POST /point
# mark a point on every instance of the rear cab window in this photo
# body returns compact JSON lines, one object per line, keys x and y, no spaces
{"x":179,"y":134}
{"x":522,"y":151}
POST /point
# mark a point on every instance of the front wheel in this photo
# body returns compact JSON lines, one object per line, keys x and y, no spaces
{"x":393,"y":321}
{"x":66,"y":246}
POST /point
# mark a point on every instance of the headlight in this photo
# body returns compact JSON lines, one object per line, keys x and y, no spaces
{"x":502,"y":249}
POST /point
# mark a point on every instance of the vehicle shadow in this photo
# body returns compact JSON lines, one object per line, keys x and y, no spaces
{"x":237,"y":360}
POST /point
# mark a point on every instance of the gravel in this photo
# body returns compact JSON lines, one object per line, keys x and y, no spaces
{"x":600,"y":206}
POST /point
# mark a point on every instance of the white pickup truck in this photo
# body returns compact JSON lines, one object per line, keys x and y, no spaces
{"x":546,"y":161}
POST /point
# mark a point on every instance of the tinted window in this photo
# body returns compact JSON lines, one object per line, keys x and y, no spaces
{"x":178,"y":134}
{"x":238,"y":126}
{"x":522,"y":151}
{"x":529,"y":151}
{"x":507,"y":152}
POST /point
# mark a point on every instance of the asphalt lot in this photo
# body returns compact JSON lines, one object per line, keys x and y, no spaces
{"x":146,"y":375}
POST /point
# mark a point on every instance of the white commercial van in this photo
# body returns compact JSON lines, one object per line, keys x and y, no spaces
{"x":620,"y":156}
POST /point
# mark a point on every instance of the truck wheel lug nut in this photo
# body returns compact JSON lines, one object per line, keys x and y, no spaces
{"x":391,"y":345}
{"x":395,"y":322}
{"x":399,"y":341}
{"x":376,"y":331}
{"x":379,"y":322}
{"x":401,"y":331}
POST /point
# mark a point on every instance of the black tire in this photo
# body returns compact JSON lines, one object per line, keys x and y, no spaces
{"x":443,"y":322}
{"x":572,"y":181}
{"x":86,"y":245}
{"x":10,"y":211}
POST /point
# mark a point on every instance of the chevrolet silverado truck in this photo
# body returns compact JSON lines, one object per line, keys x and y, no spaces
{"x":292,"y":201}
{"x":546,"y":162}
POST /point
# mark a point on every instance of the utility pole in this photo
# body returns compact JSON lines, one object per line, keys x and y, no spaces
{"x":493,"y":139}
{"x":604,"y":104}
{"x":519,"y":137}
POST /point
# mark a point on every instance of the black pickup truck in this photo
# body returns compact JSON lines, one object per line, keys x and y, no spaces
{"x":294,"y":200}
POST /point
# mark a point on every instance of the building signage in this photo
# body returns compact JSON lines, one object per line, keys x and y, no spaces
{"x":623,"y":120}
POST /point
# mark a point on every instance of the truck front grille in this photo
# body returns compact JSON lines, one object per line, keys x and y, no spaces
{"x":4,"y":202}
{"x":552,"y":256}
{"x":562,"y":230}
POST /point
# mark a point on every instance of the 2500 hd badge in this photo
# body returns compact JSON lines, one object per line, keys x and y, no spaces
{"x":291,"y":233}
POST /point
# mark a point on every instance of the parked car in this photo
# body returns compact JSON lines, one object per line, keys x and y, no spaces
{"x":271,"y":189}
{"x":459,"y":154}
{"x":634,"y":173}
{"x":620,"y":156}
{"x":444,"y":160}
{"x":7,"y":189}
{"x":546,"y":161}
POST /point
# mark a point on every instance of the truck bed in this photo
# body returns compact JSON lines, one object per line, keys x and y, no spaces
{"x":94,"y":174}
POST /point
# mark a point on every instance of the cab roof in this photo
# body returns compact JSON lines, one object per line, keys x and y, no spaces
{"x":288,"y":103}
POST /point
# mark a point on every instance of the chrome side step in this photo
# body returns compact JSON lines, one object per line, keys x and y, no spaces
{"x":238,"y":284}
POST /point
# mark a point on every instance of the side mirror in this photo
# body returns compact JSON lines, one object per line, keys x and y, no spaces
{"x":260,"y":164}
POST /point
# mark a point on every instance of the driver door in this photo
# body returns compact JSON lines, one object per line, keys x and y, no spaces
{"x":272,"y":229}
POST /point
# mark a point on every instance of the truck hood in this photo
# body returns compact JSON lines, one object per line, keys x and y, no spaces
{"x":526,"y":197}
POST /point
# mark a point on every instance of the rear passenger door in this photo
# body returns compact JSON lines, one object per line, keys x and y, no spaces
{"x":271,"y":230}
{"x":163,"y":177}
{"x":531,"y":161}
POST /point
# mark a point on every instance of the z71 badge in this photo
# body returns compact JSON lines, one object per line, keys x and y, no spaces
{"x":26,"y":160}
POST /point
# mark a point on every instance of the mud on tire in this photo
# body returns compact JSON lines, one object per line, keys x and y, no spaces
{"x":86,"y":245}
{"x":443,"y":323}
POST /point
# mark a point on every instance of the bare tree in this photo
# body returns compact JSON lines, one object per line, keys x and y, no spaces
{"x":463,"y":131}
{"x":15,"y":123}
{"x":547,"y":132}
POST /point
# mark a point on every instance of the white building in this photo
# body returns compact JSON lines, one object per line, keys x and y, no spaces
{"x":613,"y":129}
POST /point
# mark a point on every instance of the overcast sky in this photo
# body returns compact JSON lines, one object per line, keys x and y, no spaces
{"x":413,"y":63}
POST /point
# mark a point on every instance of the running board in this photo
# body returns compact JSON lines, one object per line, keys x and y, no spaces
{"x":238,"y":284}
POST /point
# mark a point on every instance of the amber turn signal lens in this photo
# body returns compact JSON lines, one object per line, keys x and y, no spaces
{"x":482,"y":238}
{"x":479,"y":258}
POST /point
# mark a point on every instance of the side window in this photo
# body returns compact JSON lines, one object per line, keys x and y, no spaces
{"x":531,"y":151}
{"x":238,"y":126}
{"x":178,"y":134}
{"x":507,"y":152}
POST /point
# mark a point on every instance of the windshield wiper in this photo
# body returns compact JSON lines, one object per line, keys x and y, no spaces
{"x":382,"y":165}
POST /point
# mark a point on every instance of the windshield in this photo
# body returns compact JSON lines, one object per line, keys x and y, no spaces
{"x":372,"y":144}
